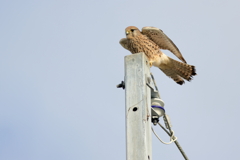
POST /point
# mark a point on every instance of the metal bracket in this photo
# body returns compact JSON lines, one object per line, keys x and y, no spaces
{"x":150,"y":84}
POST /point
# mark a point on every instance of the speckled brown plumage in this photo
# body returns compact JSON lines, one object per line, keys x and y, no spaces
{"x":150,"y":41}
{"x":143,"y":44}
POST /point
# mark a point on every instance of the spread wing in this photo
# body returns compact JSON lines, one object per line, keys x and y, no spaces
{"x":124,"y":43}
{"x":162,"y":40}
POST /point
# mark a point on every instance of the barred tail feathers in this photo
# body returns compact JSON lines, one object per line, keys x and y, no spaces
{"x":176,"y":70}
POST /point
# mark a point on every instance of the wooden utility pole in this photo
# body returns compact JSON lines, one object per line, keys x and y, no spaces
{"x":138,"y":107}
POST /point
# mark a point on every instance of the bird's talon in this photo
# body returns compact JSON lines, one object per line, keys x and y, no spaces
{"x":150,"y":63}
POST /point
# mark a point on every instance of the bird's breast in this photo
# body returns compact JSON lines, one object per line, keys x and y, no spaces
{"x":144,"y":44}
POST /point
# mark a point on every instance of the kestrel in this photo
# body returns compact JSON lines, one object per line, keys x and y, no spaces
{"x":150,"y":41}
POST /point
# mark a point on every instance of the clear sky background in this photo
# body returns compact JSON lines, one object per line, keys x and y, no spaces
{"x":60,"y":62}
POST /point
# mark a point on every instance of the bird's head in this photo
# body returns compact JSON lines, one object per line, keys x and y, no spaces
{"x":132,"y":32}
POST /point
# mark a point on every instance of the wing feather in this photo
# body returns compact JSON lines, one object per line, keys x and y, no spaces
{"x":124,"y":43}
{"x":162,"y":40}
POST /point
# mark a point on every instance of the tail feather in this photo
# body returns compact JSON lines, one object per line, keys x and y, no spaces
{"x":178,"y":71}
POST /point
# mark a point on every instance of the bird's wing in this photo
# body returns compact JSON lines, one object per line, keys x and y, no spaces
{"x":162,"y":40}
{"x":124,"y":43}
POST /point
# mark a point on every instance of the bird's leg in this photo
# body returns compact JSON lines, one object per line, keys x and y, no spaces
{"x":150,"y":63}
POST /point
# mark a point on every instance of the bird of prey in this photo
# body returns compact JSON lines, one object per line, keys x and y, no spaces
{"x":150,"y":41}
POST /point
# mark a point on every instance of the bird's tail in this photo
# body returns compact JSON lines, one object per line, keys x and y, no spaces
{"x":177,"y":70}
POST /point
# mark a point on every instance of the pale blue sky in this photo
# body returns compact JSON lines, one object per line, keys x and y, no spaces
{"x":61,"y":60}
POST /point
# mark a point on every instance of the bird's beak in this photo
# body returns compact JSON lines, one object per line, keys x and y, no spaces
{"x":127,"y":33}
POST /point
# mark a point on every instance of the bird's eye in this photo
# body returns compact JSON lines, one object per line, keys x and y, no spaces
{"x":132,"y":30}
